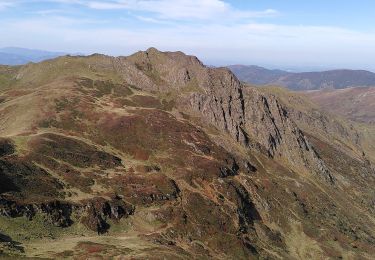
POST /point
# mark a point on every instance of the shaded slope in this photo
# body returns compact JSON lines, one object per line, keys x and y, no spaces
{"x":346,"y":147}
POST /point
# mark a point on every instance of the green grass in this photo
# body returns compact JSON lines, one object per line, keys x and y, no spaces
{"x":7,"y":76}
{"x":21,"y":143}
{"x":120,"y":226}
{"x":21,"y":229}
{"x":96,"y":67}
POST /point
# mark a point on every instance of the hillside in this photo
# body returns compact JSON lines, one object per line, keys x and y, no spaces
{"x":256,"y":75}
{"x":157,"y":156}
{"x":357,"y":104}
{"x":334,"y":79}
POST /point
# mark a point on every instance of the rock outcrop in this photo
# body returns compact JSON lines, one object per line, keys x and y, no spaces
{"x":94,"y":213}
{"x":251,"y":118}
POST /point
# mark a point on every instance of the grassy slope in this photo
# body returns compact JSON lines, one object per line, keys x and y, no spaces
{"x":353,"y":103}
{"x":7,"y":76}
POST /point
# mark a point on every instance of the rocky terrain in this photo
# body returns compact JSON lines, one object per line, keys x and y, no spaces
{"x":333,"y":79}
{"x":157,"y":156}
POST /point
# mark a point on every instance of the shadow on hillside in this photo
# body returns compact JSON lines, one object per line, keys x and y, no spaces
{"x":11,"y":244}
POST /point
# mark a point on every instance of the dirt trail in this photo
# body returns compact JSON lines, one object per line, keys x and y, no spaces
{"x":49,"y":248}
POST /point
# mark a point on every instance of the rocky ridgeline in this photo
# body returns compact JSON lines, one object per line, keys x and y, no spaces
{"x":251,"y":118}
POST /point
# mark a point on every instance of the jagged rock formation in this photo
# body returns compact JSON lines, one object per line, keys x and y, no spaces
{"x":251,"y":118}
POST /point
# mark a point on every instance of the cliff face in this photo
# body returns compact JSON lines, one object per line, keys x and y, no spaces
{"x":259,"y":122}
{"x":252,"y":119}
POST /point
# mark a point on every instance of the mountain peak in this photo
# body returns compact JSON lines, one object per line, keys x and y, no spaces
{"x":152,"y":50}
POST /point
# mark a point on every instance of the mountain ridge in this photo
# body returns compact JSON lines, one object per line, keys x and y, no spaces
{"x":179,"y":159}
{"x":332,"y":79}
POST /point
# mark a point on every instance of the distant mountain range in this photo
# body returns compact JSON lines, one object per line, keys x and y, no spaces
{"x":333,"y":79}
{"x":20,"y":56}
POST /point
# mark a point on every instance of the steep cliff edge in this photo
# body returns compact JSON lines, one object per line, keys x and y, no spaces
{"x":251,"y":118}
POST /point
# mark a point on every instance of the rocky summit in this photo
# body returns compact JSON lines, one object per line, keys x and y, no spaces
{"x":156,"y":156}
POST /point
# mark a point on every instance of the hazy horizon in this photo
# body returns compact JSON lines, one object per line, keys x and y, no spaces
{"x":296,"y":68}
{"x":275,"y":34}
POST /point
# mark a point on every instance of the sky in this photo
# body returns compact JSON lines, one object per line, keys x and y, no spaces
{"x":286,"y":34}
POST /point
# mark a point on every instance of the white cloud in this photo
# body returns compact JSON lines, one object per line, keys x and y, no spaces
{"x":243,"y":39}
{"x":48,"y":12}
{"x":182,"y":9}
{"x":151,"y":20}
{"x":6,"y":4}
{"x":186,"y":10}
{"x":249,"y":43}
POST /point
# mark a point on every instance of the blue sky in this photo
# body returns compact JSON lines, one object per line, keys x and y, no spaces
{"x":278,"y":34}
